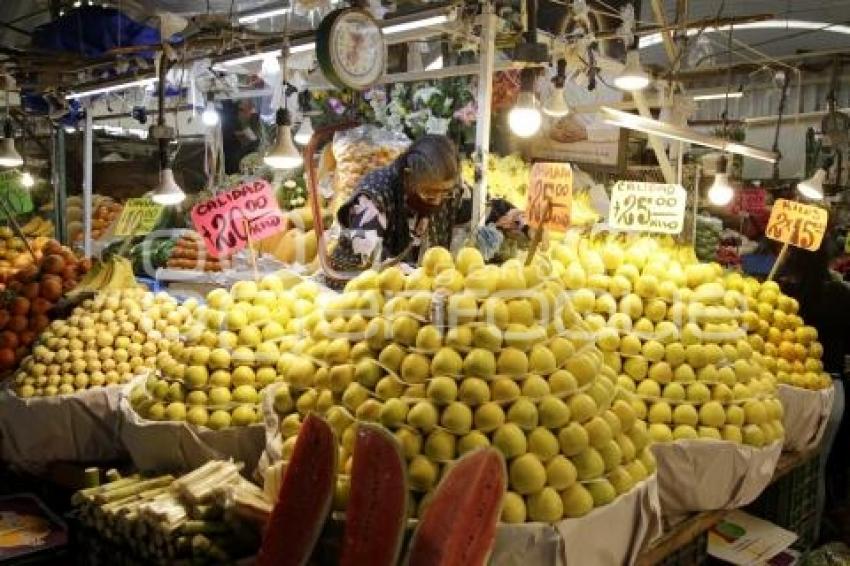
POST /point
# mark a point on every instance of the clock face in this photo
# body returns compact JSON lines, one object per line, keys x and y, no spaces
{"x":355,"y":49}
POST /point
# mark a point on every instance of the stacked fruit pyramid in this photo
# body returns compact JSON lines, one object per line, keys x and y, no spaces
{"x":106,"y":341}
{"x":228,"y":354}
{"x":677,"y":337}
{"x":459,"y":355}
{"x":787,"y":346}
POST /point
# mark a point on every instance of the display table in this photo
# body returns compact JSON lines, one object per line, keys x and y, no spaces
{"x":688,"y":530}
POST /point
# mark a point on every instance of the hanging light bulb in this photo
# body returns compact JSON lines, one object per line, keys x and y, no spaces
{"x":633,"y":77}
{"x":524,"y":118}
{"x":720,"y":193}
{"x":27,"y":180}
{"x":812,"y":188}
{"x":270,"y":66}
{"x":556,"y":103}
{"x":283,"y":154}
{"x":210,"y":115}
{"x":9,"y":156}
{"x":168,"y":192}
{"x":305,"y":131}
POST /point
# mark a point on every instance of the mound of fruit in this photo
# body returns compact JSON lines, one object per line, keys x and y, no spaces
{"x":106,"y":341}
{"x":28,"y":296}
{"x":230,"y":354}
{"x":785,"y":344}
{"x":190,"y":253}
{"x":38,"y":226}
{"x":105,"y":212}
{"x":676,"y":336}
{"x":459,"y":355}
{"x":14,"y":255}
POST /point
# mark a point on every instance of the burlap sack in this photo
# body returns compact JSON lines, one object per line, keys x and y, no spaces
{"x":806,"y":416}
{"x":613,"y":534}
{"x":82,"y":427}
{"x":160,"y":447}
{"x":703,"y":475}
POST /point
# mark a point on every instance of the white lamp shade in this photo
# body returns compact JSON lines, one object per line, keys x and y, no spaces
{"x":556,"y":104}
{"x":283,"y":154}
{"x":812,"y":188}
{"x":168,"y":192}
{"x":305,"y":132}
{"x":524,"y":118}
{"x":633,"y":77}
{"x":9,"y":156}
{"x":721,"y":192}
{"x":210,"y":115}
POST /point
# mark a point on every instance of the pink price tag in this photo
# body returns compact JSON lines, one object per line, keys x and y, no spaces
{"x":221,"y":220}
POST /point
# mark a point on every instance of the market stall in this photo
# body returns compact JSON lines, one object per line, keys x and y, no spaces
{"x":432,"y":283}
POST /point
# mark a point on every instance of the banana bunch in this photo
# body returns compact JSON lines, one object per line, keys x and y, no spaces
{"x":38,"y":226}
{"x":110,"y":274}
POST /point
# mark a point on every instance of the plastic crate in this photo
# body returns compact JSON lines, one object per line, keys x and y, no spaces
{"x":695,"y":553}
{"x":791,"y":503}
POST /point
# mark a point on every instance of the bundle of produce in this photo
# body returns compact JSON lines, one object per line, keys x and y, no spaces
{"x":30,"y":294}
{"x":229,"y":354}
{"x":190,"y":252}
{"x":676,"y":336}
{"x":153,"y":521}
{"x":106,"y":341}
{"x":727,"y":256}
{"x":707,"y":237}
{"x":459,"y":355}
{"x":38,"y":227}
{"x":783,"y":342}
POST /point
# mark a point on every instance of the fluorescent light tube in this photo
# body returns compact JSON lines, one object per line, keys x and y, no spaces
{"x":111,"y":88}
{"x":717,"y":95}
{"x":252,"y":18}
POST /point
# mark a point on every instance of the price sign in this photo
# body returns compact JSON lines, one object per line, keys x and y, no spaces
{"x":647,"y":207}
{"x":139,"y":216}
{"x":753,"y":200}
{"x":550,"y":196}
{"x":16,"y":197}
{"x":801,"y":225}
{"x":227,"y":221}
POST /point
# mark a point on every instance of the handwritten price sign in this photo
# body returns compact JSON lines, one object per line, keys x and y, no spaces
{"x":226,"y":221}
{"x":647,"y":207}
{"x":139,"y":216}
{"x":550,"y":196}
{"x":801,"y":225}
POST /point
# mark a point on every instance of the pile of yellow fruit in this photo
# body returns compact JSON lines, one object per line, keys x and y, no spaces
{"x":458,"y":355}
{"x":789,"y":349}
{"x":676,"y":336}
{"x":106,"y":341}
{"x":229,"y":354}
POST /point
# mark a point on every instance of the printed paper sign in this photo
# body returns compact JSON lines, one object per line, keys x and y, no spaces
{"x":138,"y":217}
{"x":14,"y":195}
{"x":798,"y":224}
{"x":753,"y":200}
{"x":647,"y":207}
{"x":550,"y":196}
{"x":226,"y":220}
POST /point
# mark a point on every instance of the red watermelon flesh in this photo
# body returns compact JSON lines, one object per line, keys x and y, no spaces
{"x":458,"y":527}
{"x":377,"y":504}
{"x":305,"y":497}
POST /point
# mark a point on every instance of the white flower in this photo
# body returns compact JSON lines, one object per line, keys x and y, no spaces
{"x":436,"y":125}
{"x":424,"y":95}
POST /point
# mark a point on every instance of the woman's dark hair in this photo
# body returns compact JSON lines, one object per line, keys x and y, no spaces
{"x":430,"y":160}
{"x":804,"y":272}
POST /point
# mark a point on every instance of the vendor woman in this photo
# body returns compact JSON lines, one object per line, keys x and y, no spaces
{"x":412,"y":204}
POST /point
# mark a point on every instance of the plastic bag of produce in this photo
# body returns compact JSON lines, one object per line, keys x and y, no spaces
{"x":359,"y":151}
{"x":806,"y":416}
{"x":703,"y":475}
{"x":612,"y":534}
{"x":175,"y":446}
{"x":82,"y":427}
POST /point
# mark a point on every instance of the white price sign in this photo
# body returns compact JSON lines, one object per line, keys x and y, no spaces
{"x":647,"y":207}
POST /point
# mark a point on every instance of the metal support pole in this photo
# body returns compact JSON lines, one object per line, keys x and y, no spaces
{"x":87,"y":182}
{"x":487,"y":52}
{"x":57,"y":179}
{"x":654,"y":141}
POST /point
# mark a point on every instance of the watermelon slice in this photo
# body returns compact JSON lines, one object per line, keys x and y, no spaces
{"x":458,"y":527}
{"x":305,"y":497}
{"x":377,"y":506}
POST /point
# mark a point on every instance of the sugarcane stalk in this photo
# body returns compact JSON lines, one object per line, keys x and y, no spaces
{"x":134,"y":489}
{"x":198,"y":527}
{"x":83,"y":494}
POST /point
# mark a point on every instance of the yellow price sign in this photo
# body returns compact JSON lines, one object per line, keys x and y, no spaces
{"x":800,"y":225}
{"x":139,"y":216}
{"x":550,"y":196}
